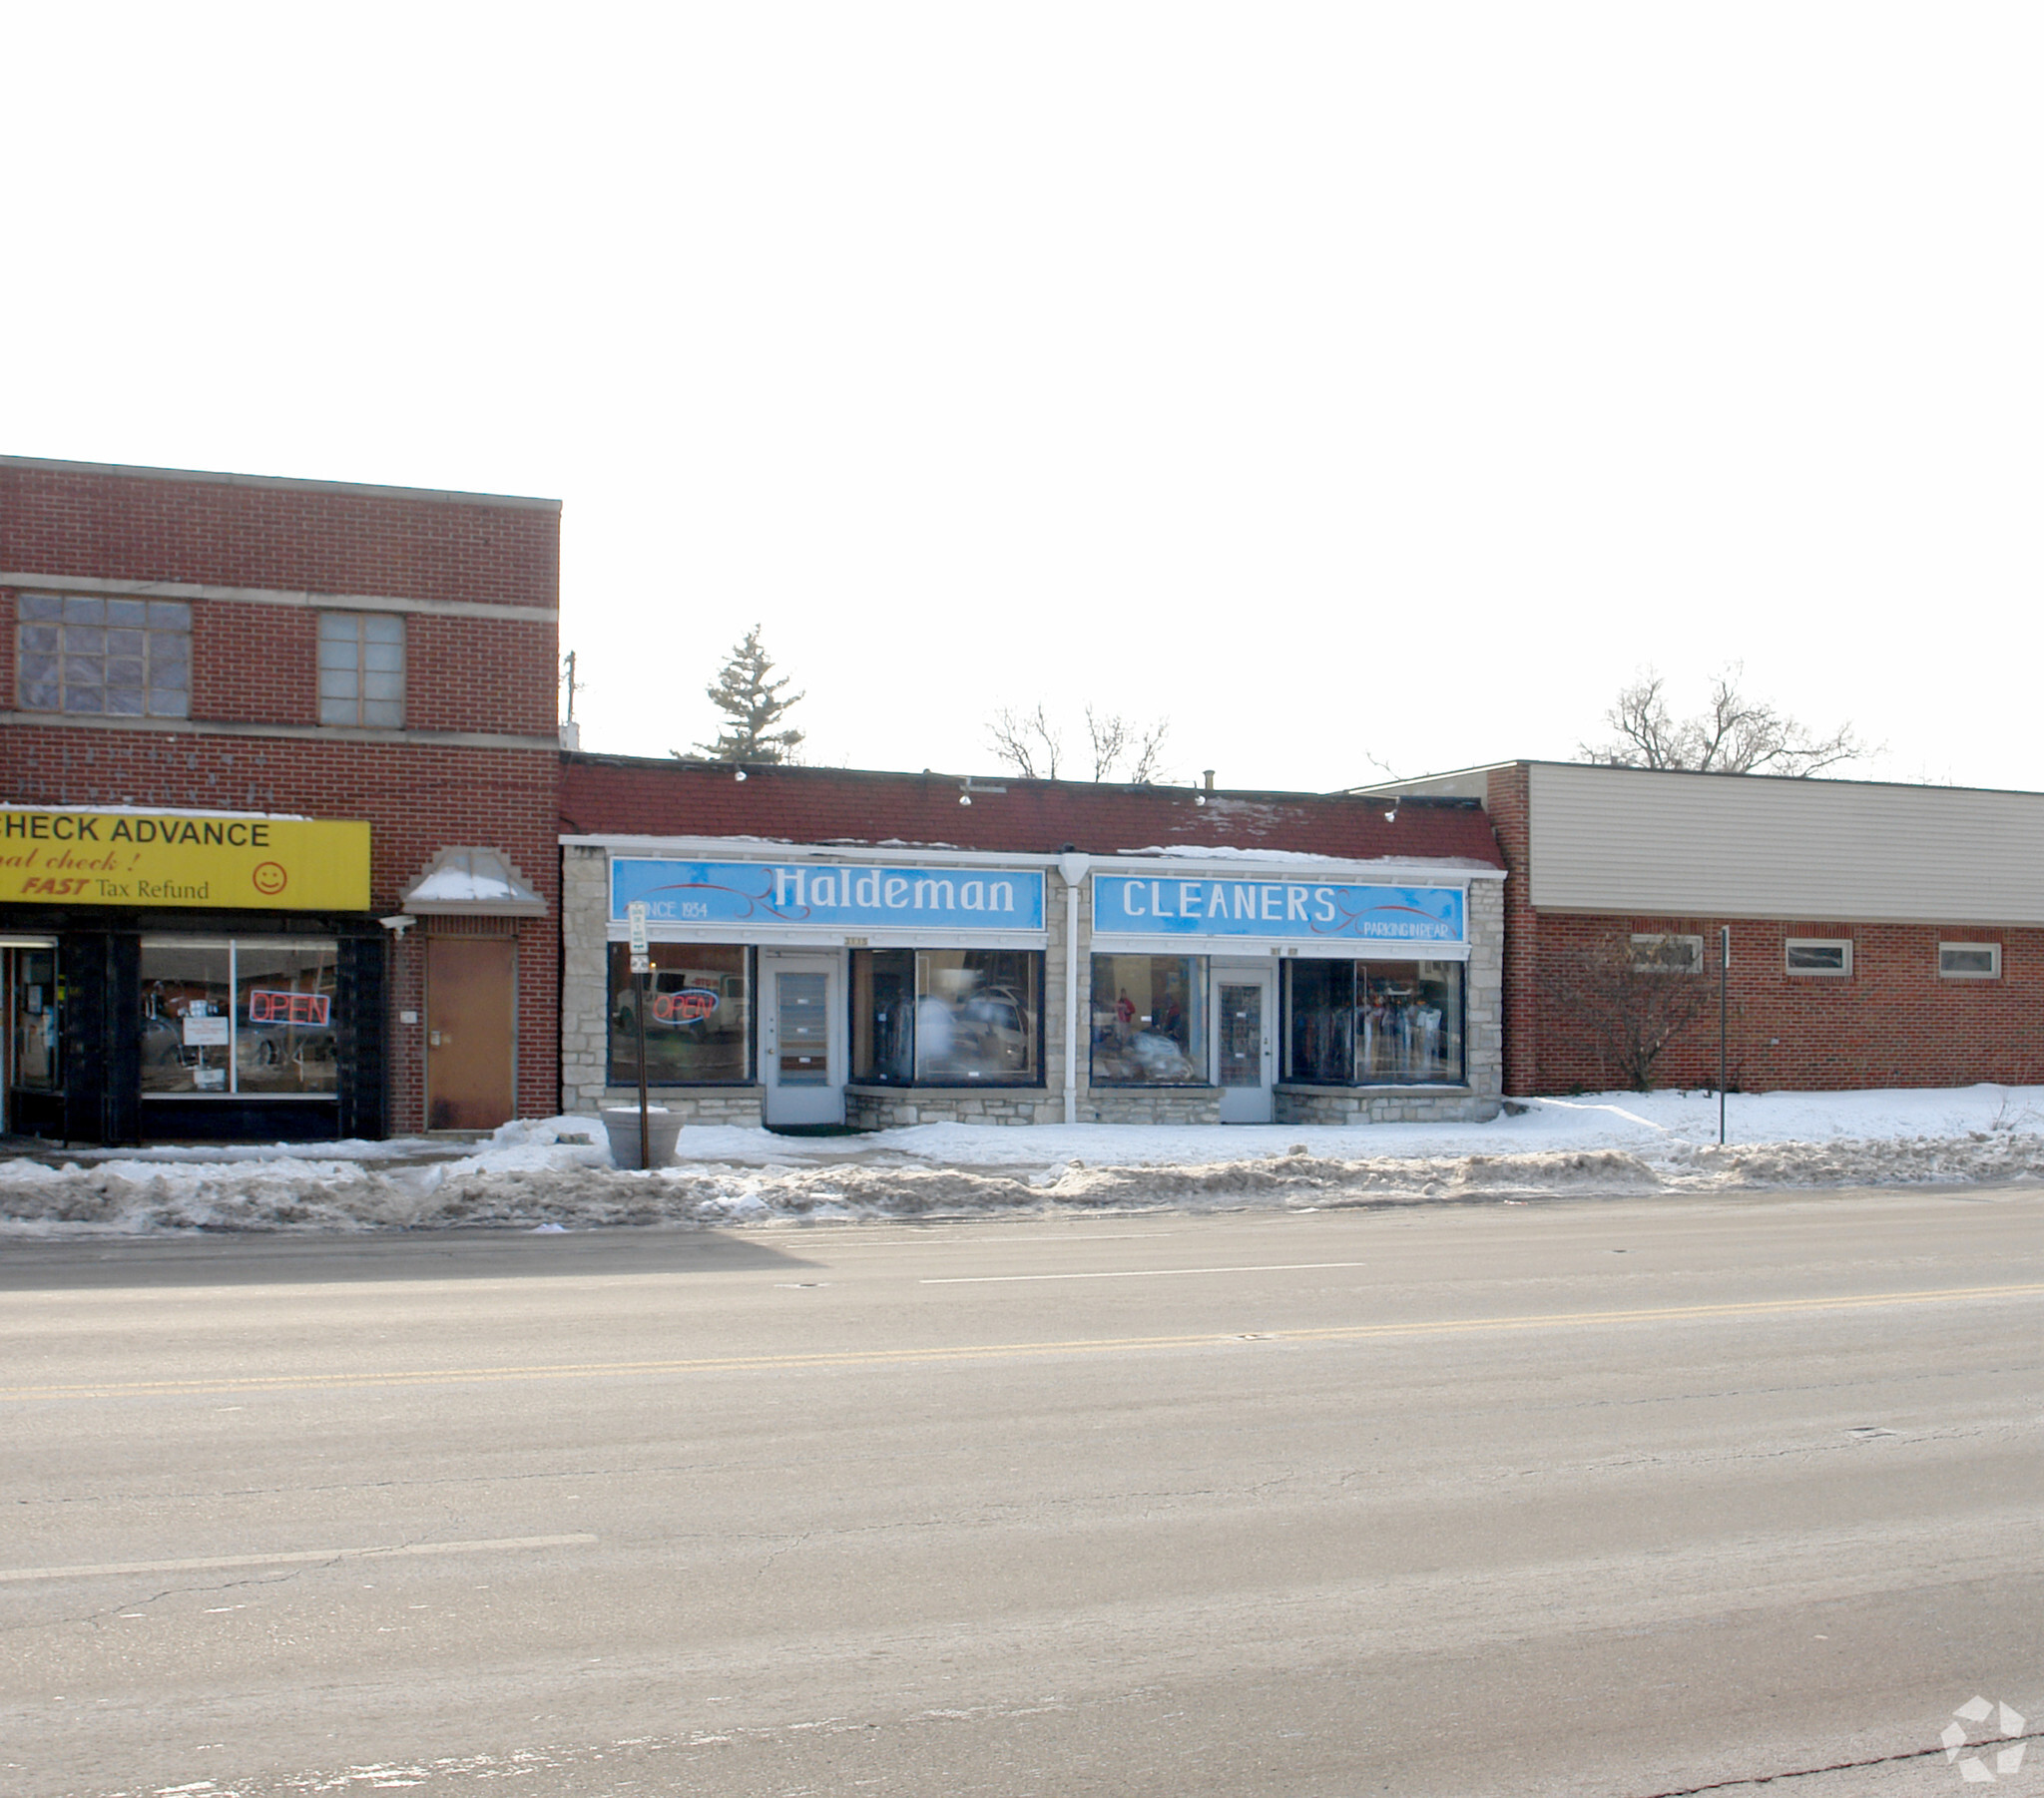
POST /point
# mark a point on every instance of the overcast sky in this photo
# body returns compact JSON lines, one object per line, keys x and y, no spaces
{"x":1362,"y":388}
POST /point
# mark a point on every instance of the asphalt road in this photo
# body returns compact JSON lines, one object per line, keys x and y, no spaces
{"x":1630,"y":1499}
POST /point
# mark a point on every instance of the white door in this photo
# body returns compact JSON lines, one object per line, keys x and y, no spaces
{"x":801,"y":1044}
{"x":1244,"y":1040}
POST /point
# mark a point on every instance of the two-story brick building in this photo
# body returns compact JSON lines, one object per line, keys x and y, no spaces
{"x":278,"y":762}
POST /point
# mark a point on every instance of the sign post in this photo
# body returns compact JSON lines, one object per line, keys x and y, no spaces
{"x":1724,"y":1009}
{"x":642,"y":966}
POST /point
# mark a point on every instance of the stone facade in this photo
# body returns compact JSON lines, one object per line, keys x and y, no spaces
{"x":883,"y":1107}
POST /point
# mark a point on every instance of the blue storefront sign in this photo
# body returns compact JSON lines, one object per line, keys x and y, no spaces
{"x":837,"y":897}
{"x":1294,"y":910}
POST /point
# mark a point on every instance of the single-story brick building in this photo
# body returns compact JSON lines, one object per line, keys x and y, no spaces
{"x":834,"y":947}
{"x":1881,"y":935}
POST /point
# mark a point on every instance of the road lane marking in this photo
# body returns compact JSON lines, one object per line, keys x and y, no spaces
{"x":1132,"y":1273}
{"x":993,"y":1351}
{"x":292,"y":1557}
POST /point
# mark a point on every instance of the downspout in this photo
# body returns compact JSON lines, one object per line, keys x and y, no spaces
{"x":1073,"y":868}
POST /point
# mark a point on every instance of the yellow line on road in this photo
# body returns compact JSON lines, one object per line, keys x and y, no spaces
{"x":292,"y":1557}
{"x":993,"y":1351}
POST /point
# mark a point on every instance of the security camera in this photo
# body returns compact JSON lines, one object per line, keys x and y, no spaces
{"x":399,"y":925}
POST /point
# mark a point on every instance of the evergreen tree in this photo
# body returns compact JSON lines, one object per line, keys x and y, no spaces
{"x":752,"y":704}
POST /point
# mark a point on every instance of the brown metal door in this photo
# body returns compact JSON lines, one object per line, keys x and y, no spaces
{"x":471,"y":1026}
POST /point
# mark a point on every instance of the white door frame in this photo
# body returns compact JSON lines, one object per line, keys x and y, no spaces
{"x":823,"y":1102}
{"x":1258,"y":1104}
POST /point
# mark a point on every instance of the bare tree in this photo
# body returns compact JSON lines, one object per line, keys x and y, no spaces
{"x":1033,"y":745}
{"x":1028,"y":743}
{"x":1733,"y":736}
{"x":1632,"y":999}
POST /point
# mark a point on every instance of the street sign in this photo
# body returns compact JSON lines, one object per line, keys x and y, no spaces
{"x":635,"y":920}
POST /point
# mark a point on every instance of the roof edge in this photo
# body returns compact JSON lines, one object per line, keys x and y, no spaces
{"x":285,"y":483}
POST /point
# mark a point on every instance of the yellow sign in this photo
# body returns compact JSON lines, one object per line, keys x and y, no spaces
{"x":182,"y":859}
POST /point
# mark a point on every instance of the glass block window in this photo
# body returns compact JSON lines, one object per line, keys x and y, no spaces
{"x":122,"y":658}
{"x":361,"y":668}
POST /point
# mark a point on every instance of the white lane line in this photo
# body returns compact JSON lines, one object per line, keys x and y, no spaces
{"x":1133,"y":1273}
{"x":292,"y":1558}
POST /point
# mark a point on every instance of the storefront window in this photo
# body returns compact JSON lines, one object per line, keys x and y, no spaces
{"x":38,"y":1062}
{"x":1148,"y":1019}
{"x":947,"y":1017}
{"x":1370,"y":1023}
{"x":698,"y":1015}
{"x":884,"y":1016}
{"x":244,"y":1016}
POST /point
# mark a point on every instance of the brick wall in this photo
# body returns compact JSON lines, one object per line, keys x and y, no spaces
{"x":1892,"y":1021}
{"x":146,"y":525}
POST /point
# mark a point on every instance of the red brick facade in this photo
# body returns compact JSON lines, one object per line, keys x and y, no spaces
{"x":1893,"y":1021}
{"x":253,"y":741}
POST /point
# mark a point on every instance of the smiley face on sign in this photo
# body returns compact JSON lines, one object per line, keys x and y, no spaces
{"x":270,"y":878}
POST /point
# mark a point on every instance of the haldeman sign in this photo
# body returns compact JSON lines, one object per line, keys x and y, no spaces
{"x":178,"y":858}
{"x":834,"y":896}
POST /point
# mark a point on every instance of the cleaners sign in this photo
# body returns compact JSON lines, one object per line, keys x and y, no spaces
{"x":170,"y":858}
{"x":835,"y":897}
{"x":1268,"y":910}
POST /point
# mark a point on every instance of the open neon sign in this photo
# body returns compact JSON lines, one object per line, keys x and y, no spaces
{"x":267,"y":1007}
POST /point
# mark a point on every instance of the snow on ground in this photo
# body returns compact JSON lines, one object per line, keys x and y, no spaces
{"x":555,"y":1172}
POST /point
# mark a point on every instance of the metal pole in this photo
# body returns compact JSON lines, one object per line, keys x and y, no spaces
{"x":639,"y":1013}
{"x":1723,"y":1011}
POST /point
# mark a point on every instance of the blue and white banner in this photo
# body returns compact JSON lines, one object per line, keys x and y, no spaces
{"x":828,"y":896}
{"x":1294,"y":910}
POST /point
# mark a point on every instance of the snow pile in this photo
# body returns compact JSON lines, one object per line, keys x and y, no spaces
{"x":555,"y":1172}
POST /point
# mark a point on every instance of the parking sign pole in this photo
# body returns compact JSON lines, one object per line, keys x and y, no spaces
{"x":641,"y":962}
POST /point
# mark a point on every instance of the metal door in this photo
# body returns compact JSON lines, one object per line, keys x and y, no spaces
{"x":471,"y":1032}
{"x":1245,"y":1036}
{"x":802,"y":1048}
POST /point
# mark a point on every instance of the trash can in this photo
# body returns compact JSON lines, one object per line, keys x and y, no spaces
{"x":662,"y":1128}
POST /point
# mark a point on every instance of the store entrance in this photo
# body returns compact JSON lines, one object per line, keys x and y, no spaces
{"x":471,"y":1032}
{"x":1245,"y":1035}
{"x":801,"y":1047}
{"x":31,"y":1042}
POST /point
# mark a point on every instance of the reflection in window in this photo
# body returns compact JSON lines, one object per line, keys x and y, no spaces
{"x":1148,"y":1019}
{"x":698,"y":1015}
{"x":247,"y":1016}
{"x":947,"y":1017}
{"x":1368,"y":1023}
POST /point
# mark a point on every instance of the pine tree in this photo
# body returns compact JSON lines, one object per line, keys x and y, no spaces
{"x":752,"y":704}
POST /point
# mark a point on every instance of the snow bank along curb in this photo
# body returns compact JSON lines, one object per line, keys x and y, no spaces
{"x":555,"y":1173}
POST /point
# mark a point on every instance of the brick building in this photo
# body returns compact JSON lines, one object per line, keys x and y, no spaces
{"x":278,"y":762}
{"x":1881,"y":935}
{"x":837,"y":947}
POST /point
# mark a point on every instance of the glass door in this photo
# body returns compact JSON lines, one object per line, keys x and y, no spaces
{"x":1244,"y":1003}
{"x":802,"y":1058}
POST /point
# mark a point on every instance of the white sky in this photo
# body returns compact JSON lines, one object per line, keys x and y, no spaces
{"x":1360,"y":386}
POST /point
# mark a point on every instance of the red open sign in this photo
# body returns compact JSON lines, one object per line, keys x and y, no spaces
{"x":267,"y":1007}
{"x":685,"y":1007}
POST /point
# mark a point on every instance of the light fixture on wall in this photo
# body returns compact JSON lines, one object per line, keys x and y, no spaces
{"x":968,"y":788}
{"x":738,"y":773}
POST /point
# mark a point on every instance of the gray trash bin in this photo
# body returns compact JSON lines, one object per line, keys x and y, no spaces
{"x":662,"y":1128}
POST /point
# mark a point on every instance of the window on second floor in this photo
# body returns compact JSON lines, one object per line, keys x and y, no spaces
{"x":94,"y":658}
{"x":361,"y":668}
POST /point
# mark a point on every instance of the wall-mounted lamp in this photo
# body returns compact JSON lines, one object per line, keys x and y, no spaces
{"x":738,"y":773}
{"x":968,"y":788}
{"x":399,"y":925}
